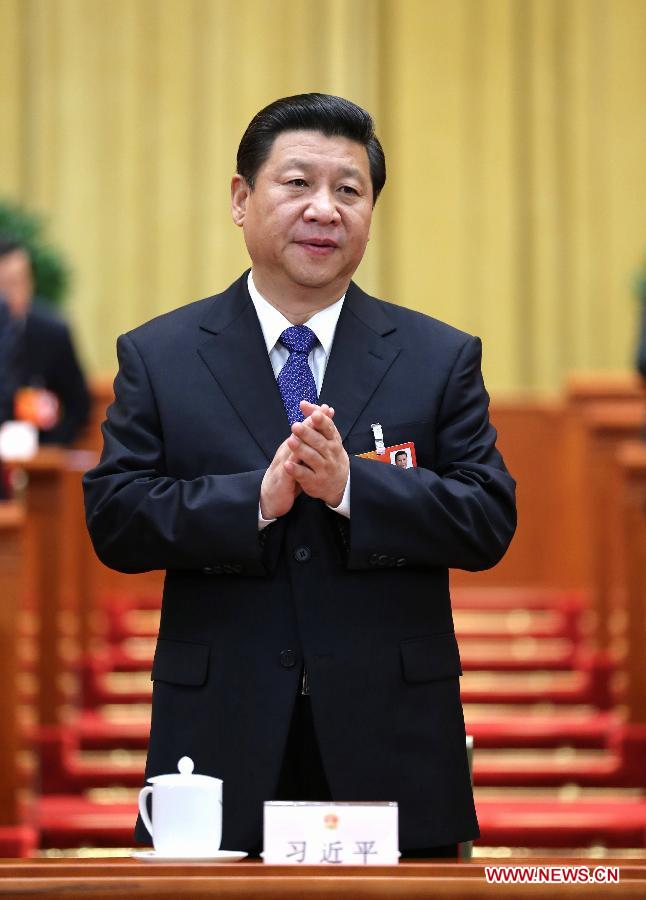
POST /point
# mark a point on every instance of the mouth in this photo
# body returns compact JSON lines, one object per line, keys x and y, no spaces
{"x":318,"y":246}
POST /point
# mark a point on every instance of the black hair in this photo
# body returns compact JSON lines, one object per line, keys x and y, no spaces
{"x":9,"y":245}
{"x":401,"y":453}
{"x":310,"y":112}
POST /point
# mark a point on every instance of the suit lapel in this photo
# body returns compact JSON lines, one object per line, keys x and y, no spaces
{"x":235,"y":352}
{"x":359,"y":359}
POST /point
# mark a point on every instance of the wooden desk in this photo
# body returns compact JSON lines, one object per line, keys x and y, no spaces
{"x":65,"y":581}
{"x":17,"y":651}
{"x":606,"y":426}
{"x":632,"y":467}
{"x":124,"y":879}
{"x":11,"y":524}
{"x":102,"y":395}
{"x":589,"y":526}
{"x":583,"y":388}
{"x":57,"y":555}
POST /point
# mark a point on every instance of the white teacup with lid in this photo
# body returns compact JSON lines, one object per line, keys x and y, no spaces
{"x":186,"y":812}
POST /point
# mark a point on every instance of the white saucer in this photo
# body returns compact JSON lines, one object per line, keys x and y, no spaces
{"x":218,"y":856}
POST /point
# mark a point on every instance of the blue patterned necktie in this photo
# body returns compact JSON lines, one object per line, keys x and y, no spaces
{"x":295,"y":379}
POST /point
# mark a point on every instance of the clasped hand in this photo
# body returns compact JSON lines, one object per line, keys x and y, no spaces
{"x":312,"y":459}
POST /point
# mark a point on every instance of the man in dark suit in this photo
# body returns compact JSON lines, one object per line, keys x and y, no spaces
{"x":306,"y":647}
{"x":36,"y":352}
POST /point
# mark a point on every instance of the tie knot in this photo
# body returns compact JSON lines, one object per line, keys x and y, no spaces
{"x":299,"y":339}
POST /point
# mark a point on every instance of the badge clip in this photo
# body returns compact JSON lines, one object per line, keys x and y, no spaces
{"x":378,"y":434}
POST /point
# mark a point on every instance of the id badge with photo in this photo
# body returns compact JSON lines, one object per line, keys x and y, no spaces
{"x":400,"y":455}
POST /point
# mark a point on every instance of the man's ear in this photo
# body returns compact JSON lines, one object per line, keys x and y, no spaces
{"x":239,"y":195}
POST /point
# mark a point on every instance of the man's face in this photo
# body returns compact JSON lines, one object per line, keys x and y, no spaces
{"x":401,"y":460}
{"x":16,"y":284}
{"x":307,"y":221}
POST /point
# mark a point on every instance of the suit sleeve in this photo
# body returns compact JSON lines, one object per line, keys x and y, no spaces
{"x":462,"y":513}
{"x":141,"y":518}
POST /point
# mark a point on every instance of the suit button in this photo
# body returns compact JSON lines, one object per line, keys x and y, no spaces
{"x":401,"y":562}
{"x":383,"y":560}
{"x":374,"y":559}
{"x":287,"y":659}
{"x":302,"y":554}
{"x":208,"y":570}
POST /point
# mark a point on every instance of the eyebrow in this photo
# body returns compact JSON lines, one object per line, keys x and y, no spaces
{"x":345,"y":171}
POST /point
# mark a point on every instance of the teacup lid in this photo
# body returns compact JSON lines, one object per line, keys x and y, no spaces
{"x":185,"y":776}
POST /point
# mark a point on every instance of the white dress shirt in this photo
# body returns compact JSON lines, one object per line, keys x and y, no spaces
{"x":323,"y":324}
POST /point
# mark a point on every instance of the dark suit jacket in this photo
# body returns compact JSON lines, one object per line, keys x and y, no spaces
{"x":44,"y":357}
{"x":196,"y":420}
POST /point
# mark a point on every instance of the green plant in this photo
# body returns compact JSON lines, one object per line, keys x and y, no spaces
{"x":51,"y":271}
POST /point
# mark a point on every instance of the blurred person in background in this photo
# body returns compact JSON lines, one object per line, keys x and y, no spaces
{"x":641,"y":348}
{"x":40,"y":377}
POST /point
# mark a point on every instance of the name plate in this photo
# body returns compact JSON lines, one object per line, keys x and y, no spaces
{"x":303,"y":833}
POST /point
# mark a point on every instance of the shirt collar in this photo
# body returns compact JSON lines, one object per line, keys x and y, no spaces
{"x":273,"y":322}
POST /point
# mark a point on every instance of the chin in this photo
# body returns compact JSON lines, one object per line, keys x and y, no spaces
{"x":314,"y":279}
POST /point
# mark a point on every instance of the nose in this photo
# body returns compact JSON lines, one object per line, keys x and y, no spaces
{"x":322,"y":208}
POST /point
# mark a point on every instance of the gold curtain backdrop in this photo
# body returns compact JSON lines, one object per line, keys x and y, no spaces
{"x":515,"y":135}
